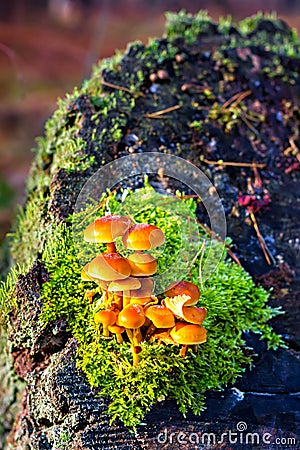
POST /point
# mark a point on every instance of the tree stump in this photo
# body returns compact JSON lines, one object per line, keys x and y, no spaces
{"x":219,"y":96}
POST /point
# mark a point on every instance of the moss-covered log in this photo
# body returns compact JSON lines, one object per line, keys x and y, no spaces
{"x":221,"y":96}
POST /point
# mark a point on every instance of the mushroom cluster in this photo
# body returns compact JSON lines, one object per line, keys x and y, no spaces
{"x":128,"y":303}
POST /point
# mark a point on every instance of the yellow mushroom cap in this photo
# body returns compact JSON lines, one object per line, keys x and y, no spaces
{"x":160,"y":316}
{"x":184,"y":288}
{"x":84,"y":274}
{"x":142,"y":264}
{"x":116,"y":329}
{"x":106,"y":229}
{"x":188,"y":333}
{"x":106,"y":317}
{"x":109,"y":266}
{"x":125,"y":284}
{"x":143,"y":236}
{"x":132,"y":316}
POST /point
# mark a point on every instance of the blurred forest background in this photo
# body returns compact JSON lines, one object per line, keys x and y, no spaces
{"x":49,"y":46}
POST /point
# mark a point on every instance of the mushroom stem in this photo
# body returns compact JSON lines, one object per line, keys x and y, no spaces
{"x":183,"y":351}
{"x":110,"y":247}
{"x":135,"y":355}
{"x":126,"y":298}
{"x":119,"y":338}
{"x":151,"y":329}
{"x":117,"y":296}
{"x":135,"y":349}
{"x":89,"y":295}
{"x":129,"y":334}
{"x":105,"y":331}
{"x":137,"y":336}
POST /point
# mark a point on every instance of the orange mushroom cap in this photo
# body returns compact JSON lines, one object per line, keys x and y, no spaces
{"x":106,"y":229}
{"x":109,"y":266}
{"x":188,"y":334}
{"x":162,"y":336}
{"x":142,"y":264}
{"x":160,"y":316}
{"x":106,"y":317}
{"x":178,"y":307}
{"x":143,"y":236}
{"x":184,"y":288}
{"x":192,"y":314}
{"x":116,"y":329}
{"x":132,"y":316}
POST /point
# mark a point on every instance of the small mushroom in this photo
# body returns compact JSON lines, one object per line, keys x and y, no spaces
{"x":143,"y":236}
{"x":107,"y":318}
{"x":153,"y":77}
{"x":132,"y":317}
{"x":162,"y":336}
{"x":163,"y":75}
{"x":142,"y":264}
{"x":178,"y":307}
{"x":192,"y":314}
{"x":106,"y":229}
{"x":160,"y":316}
{"x":179,"y":58}
{"x":187,"y":334}
{"x":89,"y":295}
{"x":86,"y":277}
{"x":126,"y":286}
{"x":109,"y":267}
{"x":184,"y":288}
{"x":117,"y":330}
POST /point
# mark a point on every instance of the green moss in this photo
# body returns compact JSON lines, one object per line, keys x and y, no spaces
{"x":186,"y":25}
{"x":233,"y":114}
{"x":189,"y":26}
{"x":69,"y":154}
{"x":235,"y":305}
{"x":7,"y":297}
{"x":225,"y":24}
{"x":249,"y":24}
{"x":30,"y":230}
{"x":57,"y":125}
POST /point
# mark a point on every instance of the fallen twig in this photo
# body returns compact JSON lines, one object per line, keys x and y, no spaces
{"x":236,"y":99}
{"x":266,"y":252}
{"x":121,"y":88}
{"x":157,"y":114}
{"x":220,"y":162}
{"x":215,"y":236}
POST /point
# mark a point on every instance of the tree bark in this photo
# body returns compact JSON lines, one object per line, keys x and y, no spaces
{"x":59,"y":410}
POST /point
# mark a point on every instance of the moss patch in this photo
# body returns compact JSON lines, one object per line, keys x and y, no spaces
{"x":234,"y":304}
